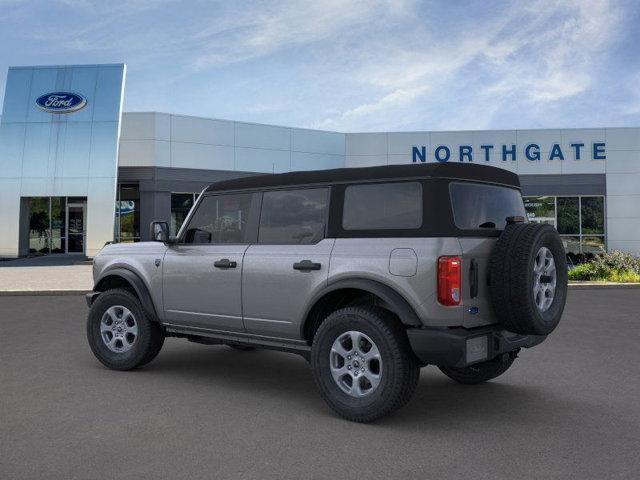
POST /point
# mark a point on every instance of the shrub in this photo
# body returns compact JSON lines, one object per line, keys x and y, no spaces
{"x":614,"y":266}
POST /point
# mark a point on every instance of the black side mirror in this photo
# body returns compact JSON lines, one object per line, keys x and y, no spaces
{"x":159,"y":231}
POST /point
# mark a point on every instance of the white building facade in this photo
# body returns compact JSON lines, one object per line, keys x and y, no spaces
{"x":81,"y":191}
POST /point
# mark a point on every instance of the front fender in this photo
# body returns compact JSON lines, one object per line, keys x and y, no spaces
{"x":134,"y":280}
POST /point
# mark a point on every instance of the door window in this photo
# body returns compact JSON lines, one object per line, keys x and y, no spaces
{"x":220,"y":219}
{"x":295,"y":217}
{"x":181,"y":204}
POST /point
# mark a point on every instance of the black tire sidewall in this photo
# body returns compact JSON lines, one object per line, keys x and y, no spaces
{"x":511,"y":278}
{"x":545,"y":322}
{"x":139,"y":352}
{"x":378,"y":402}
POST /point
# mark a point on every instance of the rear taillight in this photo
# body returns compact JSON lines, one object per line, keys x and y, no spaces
{"x":449,"y":280}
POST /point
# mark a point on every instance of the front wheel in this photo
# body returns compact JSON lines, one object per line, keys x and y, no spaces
{"x":363,"y":364}
{"x":120,"y":333}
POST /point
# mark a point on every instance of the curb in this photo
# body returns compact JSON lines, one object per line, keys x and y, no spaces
{"x":602,"y":286}
{"x":41,"y":293}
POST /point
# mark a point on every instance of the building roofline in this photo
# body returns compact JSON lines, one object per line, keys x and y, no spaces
{"x":229,"y":120}
{"x":377,"y":132}
{"x":84,"y":65}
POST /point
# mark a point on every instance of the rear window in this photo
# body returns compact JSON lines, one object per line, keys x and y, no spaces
{"x":383,"y":206}
{"x":478,"y":206}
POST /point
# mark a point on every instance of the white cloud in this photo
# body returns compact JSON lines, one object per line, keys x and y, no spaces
{"x":550,"y":57}
{"x":534,"y":55}
{"x":398,"y":98}
{"x":350,"y":64}
{"x":286,"y":24}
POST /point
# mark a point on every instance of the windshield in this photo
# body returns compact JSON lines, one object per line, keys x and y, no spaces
{"x":477,"y":206}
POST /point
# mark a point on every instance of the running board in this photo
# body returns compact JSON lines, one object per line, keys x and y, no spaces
{"x":209,"y":337}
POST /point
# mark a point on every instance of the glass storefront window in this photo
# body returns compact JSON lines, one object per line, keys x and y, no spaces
{"x":39,"y":228}
{"x":593,"y":244}
{"x":571,"y":244}
{"x":592,"y":215}
{"x":568,"y":216}
{"x":127,"y":226}
{"x":58,"y":225}
{"x":541,"y":209}
{"x":48,"y":225}
{"x":580,"y":220}
{"x":181,"y":203}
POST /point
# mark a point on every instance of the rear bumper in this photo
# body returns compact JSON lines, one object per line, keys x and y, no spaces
{"x":459,"y":347}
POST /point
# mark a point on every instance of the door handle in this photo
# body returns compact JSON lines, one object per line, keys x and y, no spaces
{"x":225,"y":263}
{"x":306,"y":265}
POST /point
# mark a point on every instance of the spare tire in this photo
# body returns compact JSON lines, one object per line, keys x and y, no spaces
{"x":528,"y":278}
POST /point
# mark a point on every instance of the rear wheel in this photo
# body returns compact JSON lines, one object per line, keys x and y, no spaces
{"x":120,"y":333}
{"x":363,"y":364}
{"x":480,"y":372}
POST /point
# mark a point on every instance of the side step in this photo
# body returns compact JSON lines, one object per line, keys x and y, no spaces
{"x":209,"y":337}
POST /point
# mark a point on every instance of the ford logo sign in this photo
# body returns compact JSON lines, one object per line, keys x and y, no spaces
{"x":61,"y":102}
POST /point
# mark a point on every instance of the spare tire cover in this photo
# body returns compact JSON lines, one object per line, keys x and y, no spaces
{"x":528,"y":278}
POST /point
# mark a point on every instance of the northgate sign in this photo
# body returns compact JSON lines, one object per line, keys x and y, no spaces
{"x":531,"y":152}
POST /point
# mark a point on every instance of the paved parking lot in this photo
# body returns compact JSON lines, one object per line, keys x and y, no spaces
{"x":567,"y":409}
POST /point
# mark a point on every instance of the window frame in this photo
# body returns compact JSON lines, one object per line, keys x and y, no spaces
{"x":251,"y":231}
{"x":328,"y":196}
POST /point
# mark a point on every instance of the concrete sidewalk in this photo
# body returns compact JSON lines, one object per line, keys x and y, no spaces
{"x":42,"y":276}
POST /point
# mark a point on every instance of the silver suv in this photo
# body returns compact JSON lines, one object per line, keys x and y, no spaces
{"x":369,"y":273}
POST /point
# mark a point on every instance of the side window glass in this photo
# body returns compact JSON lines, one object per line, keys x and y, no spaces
{"x":293,"y":216}
{"x":220,"y":219}
{"x":382,"y":206}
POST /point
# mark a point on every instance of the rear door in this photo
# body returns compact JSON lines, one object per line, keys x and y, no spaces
{"x":480,"y":211}
{"x":289,"y":263}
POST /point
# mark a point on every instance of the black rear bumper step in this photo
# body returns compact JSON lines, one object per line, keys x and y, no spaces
{"x":460,"y":347}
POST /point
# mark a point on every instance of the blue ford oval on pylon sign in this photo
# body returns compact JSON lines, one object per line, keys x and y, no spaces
{"x":61,"y":102}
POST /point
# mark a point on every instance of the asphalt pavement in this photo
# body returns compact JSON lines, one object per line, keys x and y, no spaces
{"x":570,"y":408}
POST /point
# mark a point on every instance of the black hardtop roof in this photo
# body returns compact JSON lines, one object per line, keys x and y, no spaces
{"x":481,"y":173}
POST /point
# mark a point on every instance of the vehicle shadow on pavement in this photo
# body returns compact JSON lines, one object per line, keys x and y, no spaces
{"x":438,"y":401}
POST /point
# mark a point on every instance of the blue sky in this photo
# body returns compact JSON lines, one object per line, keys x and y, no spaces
{"x":349,"y":65}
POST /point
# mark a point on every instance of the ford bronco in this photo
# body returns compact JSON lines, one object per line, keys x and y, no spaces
{"x":369,"y":273}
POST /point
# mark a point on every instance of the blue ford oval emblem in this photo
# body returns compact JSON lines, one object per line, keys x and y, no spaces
{"x":61,"y":102}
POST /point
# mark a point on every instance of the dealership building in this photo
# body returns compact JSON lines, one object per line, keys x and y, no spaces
{"x":76,"y":171}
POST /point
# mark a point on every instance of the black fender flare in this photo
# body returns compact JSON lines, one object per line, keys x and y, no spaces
{"x":397,"y":303}
{"x":138,"y":285}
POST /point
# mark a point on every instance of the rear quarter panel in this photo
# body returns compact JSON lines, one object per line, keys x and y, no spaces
{"x":369,"y":258}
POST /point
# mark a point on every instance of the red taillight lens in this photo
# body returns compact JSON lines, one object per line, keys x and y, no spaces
{"x":449,"y":280}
